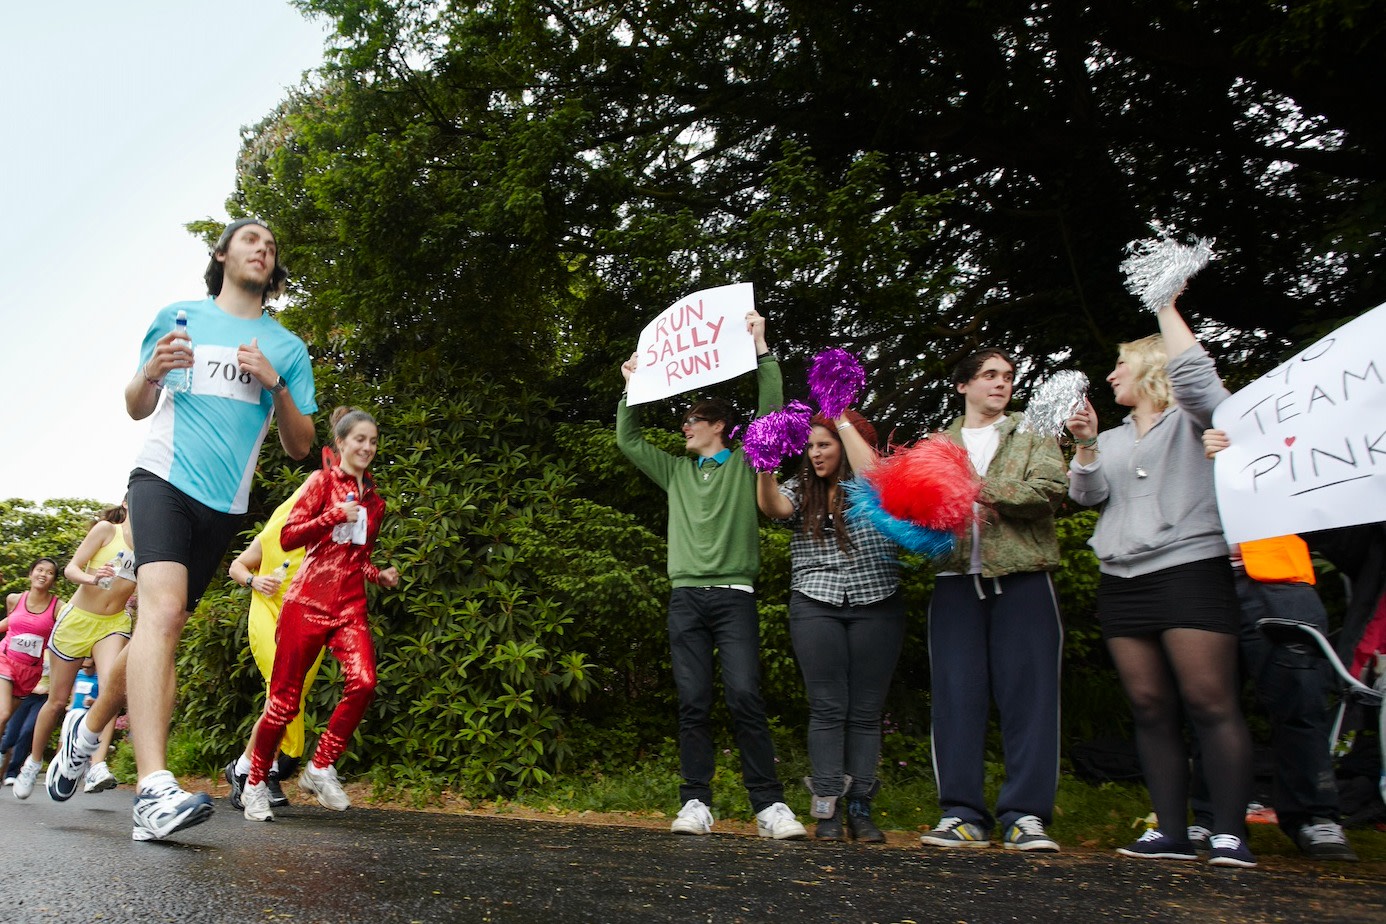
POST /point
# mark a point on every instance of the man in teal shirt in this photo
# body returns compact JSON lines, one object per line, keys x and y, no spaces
{"x":714,"y":556}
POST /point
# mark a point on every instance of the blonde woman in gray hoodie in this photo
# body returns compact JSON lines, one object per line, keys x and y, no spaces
{"x":1166,"y":601}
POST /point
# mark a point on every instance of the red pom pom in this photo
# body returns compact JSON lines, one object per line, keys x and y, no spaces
{"x":930,"y":483}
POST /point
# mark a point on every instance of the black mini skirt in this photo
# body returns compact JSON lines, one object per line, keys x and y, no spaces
{"x":1198,"y":595}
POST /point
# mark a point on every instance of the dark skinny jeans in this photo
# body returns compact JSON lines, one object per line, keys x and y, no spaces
{"x":847,"y":655}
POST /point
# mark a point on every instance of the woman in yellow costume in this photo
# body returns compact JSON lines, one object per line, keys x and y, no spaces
{"x":267,"y":570}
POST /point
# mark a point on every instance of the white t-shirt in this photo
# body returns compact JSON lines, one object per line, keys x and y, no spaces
{"x":981,"y":443}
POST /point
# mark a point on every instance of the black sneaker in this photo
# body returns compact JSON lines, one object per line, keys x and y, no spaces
{"x":237,"y":783}
{"x":1323,"y":839}
{"x":1230,"y":850}
{"x":277,"y":799}
{"x":1152,"y":845}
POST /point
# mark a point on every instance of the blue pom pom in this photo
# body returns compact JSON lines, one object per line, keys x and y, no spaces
{"x":866,"y":505}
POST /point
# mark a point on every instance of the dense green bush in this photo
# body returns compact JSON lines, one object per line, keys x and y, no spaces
{"x":477,"y":663}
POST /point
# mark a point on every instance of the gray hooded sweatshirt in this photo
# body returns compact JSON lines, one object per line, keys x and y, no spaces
{"x":1158,"y":505}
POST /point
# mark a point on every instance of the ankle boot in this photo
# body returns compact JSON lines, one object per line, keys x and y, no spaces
{"x":828,"y":811}
{"x":859,"y":823}
{"x":830,"y":829}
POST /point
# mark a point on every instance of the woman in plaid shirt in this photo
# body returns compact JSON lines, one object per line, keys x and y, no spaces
{"x":846,"y":620}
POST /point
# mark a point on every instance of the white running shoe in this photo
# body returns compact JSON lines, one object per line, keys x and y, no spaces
{"x":256,"y":800}
{"x":28,"y":775}
{"x":779,"y":822}
{"x":324,"y":785}
{"x":693,"y":818}
{"x":99,"y":778}
{"x":166,"y":808}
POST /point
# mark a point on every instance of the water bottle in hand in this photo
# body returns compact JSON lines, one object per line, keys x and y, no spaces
{"x":180,"y":380}
{"x":342,"y":532}
{"x":282,"y":572}
{"x":106,"y":582}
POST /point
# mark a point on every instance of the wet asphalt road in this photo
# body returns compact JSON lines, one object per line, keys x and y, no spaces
{"x":76,"y":862}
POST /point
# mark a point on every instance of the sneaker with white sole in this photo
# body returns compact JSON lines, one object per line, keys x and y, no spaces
{"x":324,"y":785}
{"x":952,"y":831}
{"x":69,"y":765}
{"x":99,"y":778}
{"x":1229,"y":850}
{"x":778,"y":821}
{"x":276,"y":792}
{"x":28,"y":775}
{"x":1199,"y":836}
{"x":1152,"y":845}
{"x":693,"y":818}
{"x":165,"y":808}
{"x":1027,"y":833}
{"x":237,"y":783}
{"x":1323,"y":839}
{"x":256,"y":799}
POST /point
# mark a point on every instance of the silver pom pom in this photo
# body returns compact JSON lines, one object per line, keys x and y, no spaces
{"x":1158,"y":268}
{"x":1054,"y":401}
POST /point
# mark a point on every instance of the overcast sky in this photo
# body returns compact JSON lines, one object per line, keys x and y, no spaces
{"x":121,"y":122}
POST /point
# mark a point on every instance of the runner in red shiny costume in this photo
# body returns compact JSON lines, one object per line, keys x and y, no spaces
{"x":337,"y":518}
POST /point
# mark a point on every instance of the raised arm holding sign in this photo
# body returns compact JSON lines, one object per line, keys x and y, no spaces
{"x":701,"y":339}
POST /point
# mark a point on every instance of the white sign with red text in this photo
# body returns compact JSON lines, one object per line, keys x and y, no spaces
{"x":699,"y":340}
{"x":1308,"y":439}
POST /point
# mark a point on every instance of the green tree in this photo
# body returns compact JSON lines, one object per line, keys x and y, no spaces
{"x":524,"y":183}
{"x":52,"y":529}
{"x":476,"y":660}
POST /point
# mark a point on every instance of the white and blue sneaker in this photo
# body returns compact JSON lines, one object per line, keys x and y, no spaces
{"x":68,"y":767}
{"x":164,"y":808}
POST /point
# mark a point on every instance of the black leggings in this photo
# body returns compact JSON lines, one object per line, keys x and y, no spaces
{"x":1193,"y":672}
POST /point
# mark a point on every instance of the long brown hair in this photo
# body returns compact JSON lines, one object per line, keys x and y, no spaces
{"x":815,"y":506}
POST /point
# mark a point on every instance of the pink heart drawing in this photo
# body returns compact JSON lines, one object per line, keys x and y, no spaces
{"x":1289,"y":441}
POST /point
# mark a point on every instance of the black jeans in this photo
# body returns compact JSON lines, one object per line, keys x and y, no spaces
{"x":701,"y":620}
{"x":847,"y":655}
{"x":1292,"y":686}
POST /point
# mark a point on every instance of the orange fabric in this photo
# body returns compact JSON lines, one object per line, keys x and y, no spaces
{"x":1279,"y":560}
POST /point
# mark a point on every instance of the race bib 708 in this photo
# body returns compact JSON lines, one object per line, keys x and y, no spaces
{"x":216,"y":373}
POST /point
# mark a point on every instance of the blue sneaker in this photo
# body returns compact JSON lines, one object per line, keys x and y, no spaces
{"x":166,"y":808}
{"x":1229,"y":850}
{"x":68,"y":767}
{"x":1152,"y":845}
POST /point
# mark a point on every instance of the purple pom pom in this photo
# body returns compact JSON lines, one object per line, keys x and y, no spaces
{"x":770,"y":439}
{"x":835,"y":380}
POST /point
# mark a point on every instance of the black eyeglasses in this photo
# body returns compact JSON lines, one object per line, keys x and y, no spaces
{"x":691,"y":419}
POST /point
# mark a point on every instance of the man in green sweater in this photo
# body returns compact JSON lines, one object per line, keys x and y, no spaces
{"x":714,"y":556}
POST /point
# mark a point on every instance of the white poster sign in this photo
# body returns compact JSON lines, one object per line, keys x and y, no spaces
{"x":1308,"y":439}
{"x":697,"y":341}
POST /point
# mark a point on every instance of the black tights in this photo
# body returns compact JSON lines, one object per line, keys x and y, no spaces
{"x":1195,"y":672}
